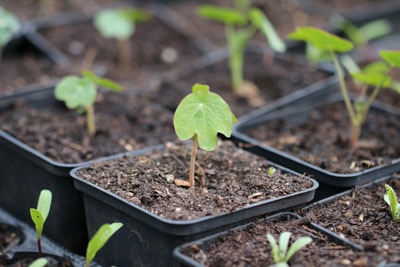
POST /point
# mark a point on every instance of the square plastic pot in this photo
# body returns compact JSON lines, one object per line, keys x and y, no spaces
{"x":292,"y":114}
{"x":147,"y":239}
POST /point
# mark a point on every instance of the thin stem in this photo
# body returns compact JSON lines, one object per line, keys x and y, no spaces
{"x":192,"y":161}
{"x":39,"y":245}
{"x":90,"y":120}
{"x":124,"y":53}
{"x":343,"y":89}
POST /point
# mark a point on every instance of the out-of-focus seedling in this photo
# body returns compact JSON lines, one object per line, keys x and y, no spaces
{"x":40,"y":262}
{"x":99,"y":239}
{"x":79,"y":93}
{"x":119,"y":23}
{"x":391,"y":199}
{"x":281,"y":252}
{"x":39,"y":215}
{"x":200,"y":116}
{"x":9,"y":26}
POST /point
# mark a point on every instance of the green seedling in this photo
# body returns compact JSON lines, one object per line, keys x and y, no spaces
{"x":40,"y":262}
{"x":281,"y":252}
{"x":373,"y":75}
{"x":9,"y":26}
{"x":119,"y":24}
{"x":391,"y":199}
{"x":241,"y":23}
{"x":99,"y":239}
{"x":39,"y":215}
{"x":79,"y":93}
{"x":200,"y":116}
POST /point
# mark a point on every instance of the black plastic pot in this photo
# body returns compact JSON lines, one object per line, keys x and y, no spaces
{"x":291,"y":113}
{"x":148,"y":239}
{"x":27,"y":247}
{"x":180,"y":259}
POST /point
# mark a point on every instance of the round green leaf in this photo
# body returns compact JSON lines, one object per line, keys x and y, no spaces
{"x":44,"y":203}
{"x":391,"y":57}
{"x":112,"y":23}
{"x":321,"y":40}
{"x":204,"y":114}
{"x":223,"y":15}
{"x":9,"y":25}
{"x":77,"y":93}
{"x":38,"y":220}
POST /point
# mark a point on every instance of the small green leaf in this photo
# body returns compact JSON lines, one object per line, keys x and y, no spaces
{"x":223,"y":15}
{"x":41,"y":262}
{"x":38,"y":220}
{"x":283,"y":244}
{"x":375,"y":29}
{"x":377,"y":67}
{"x":392,"y":57}
{"x":9,"y":26}
{"x":44,"y":203}
{"x":103,"y":82}
{"x":321,"y":39}
{"x":274,"y":248}
{"x":76,"y":92}
{"x":296,"y":246}
{"x":374,"y":79}
{"x":135,"y":15}
{"x":112,"y":23}
{"x":100,"y":238}
{"x":391,"y":199}
{"x":204,"y":114}
{"x":261,"y":22}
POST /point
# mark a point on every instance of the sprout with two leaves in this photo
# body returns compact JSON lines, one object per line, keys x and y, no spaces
{"x":119,"y":24}
{"x":39,"y":215}
{"x":9,"y":26}
{"x":391,"y":199}
{"x":377,"y":74}
{"x":79,"y":93}
{"x":200,"y":116}
{"x":281,"y":252}
{"x":241,"y":23}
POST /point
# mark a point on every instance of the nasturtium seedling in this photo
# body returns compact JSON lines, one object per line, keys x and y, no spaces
{"x":40,"y":262}
{"x":9,"y":26}
{"x":39,"y":215}
{"x":99,"y":239}
{"x":119,"y":23}
{"x":372,"y":75}
{"x":241,"y":23}
{"x":79,"y":93}
{"x":200,"y":116}
{"x":391,"y":199}
{"x":281,"y":252}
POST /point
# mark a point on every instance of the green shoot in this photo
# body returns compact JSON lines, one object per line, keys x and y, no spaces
{"x":99,"y":239}
{"x":39,"y":215}
{"x":79,"y":93}
{"x":281,"y":252}
{"x":40,"y":262}
{"x":119,"y":24}
{"x":200,"y":116}
{"x":391,"y":199}
{"x":241,"y":23}
{"x":331,"y":45}
{"x":9,"y":26}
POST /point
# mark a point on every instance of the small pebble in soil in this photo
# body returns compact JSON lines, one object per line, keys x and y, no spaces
{"x":169,"y":55}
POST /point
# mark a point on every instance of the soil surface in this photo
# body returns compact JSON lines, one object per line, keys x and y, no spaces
{"x":364,"y":218}
{"x":124,"y":122}
{"x":52,"y":261}
{"x":248,"y":246}
{"x":232,"y":179}
{"x":323,"y":139}
{"x":9,"y":238}
{"x":273,"y":77}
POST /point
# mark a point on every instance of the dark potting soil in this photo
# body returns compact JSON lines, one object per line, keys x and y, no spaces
{"x":364,"y":218}
{"x":155,"y":48}
{"x":323,"y":139}
{"x":232,"y":179}
{"x":248,"y":246}
{"x":9,"y":238}
{"x":284,"y":15}
{"x":124,"y":122}
{"x":274,"y":78}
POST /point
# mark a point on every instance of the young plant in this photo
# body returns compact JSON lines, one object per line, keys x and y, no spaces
{"x":79,"y":93}
{"x":281,"y":252}
{"x":200,"y":116}
{"x":40,"y":262}
{"x":241,"y":22}
{"x":39,"y":215}
{"x":9,"y":26}
{"x":99,"y":239}
{"x":375,"y":76}
{"x":391,"y":199}
{"x":119,"y":24}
